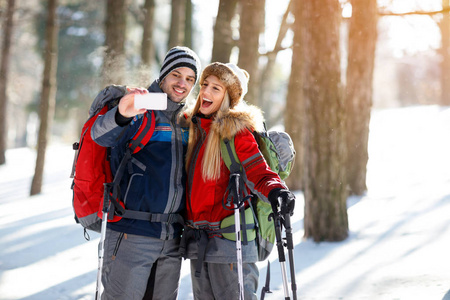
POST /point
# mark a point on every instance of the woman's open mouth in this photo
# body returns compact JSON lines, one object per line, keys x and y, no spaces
{"x":206,"y":103}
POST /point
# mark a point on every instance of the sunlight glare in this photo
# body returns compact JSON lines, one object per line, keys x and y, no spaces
{"x":346,"y":10}
{"x":412,"y":33}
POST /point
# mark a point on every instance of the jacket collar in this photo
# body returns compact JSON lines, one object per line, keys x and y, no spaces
{"x":237,"y":119}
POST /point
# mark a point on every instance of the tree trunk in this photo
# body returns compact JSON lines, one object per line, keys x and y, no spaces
{"x":361,"y":58}
{"x":188,"y":25}
{"x":47,"y":105}
{"x":147,"y":50}
{"x":251,"y":25}
{"x":223,"y":35}
{"x":445,"y":51}
{"x":325,"y":179}
{"x":4,"y":68}
{"x":115,"y":29}
{"x":176,"y":33}
{"x":294,"y":114}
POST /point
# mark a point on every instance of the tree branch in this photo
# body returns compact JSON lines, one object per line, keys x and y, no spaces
{"x":426,"y":13}
{"x":282,"y":33}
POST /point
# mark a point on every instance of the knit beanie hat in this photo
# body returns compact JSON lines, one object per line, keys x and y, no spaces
{"x":179,"y":57}
{"x":234,"y":78}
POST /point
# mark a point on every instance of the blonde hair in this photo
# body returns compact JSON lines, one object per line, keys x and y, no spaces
{"x":212,"y":157}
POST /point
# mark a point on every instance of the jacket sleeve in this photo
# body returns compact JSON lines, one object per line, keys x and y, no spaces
{"x":106,"y":132}
{"x":257,"y":174}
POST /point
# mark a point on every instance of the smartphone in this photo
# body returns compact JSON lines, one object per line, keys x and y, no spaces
{"x":151,"y":101}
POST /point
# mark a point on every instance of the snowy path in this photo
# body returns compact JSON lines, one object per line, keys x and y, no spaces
{"x":398,"y":246}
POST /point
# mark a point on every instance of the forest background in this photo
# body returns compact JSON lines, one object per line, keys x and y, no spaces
{"x":318,"y":68}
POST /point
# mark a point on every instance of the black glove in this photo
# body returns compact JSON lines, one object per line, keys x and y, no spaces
{"x":284,"y":199}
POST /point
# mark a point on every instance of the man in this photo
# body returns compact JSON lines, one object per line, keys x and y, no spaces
{"x":153,"y":182}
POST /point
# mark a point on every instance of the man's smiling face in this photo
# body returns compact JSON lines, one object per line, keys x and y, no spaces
{"x":178,"y":84}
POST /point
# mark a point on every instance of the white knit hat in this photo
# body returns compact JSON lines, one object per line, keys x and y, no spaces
{"x":241,"y":76}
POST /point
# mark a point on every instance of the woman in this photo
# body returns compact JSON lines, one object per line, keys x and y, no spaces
{"x":221,"y":113}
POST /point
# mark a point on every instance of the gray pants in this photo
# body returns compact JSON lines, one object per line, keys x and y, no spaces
{"x":219,"y":281}
{"x":128,"y":261}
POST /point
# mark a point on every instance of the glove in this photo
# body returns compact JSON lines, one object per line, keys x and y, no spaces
{"x":284,"y":199}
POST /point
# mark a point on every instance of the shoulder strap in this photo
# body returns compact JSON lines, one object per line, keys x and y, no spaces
{"x":144,"y":133}
{"x":232,"y":162}
{"x":236,"y":186}
{"x":229,"y":155}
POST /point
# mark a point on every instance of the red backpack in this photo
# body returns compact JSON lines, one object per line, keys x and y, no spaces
{"x":91,"y":172}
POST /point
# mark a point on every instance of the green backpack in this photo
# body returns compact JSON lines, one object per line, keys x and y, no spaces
{"x":278,"y":151}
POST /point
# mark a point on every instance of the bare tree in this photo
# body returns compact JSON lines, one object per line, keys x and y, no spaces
{"x":188,"y":25}
{"x":294,"y":114}
{"x":325,"y":147}
{"x":177,"y":19}
{"x":361,"y":58}
{"x":47,"y":104}
{"x":251,"y":25}
{"x":115,"y":28}
{"x":223,"y":36}
{"x":4,"y":71}
{"x":147,"y":50}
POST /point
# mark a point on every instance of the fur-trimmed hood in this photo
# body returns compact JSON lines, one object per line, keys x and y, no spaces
{"x":242,"y":116}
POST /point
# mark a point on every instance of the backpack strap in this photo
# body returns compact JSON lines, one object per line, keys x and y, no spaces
{"x":236,"y":185}
{"x":232,"y":162}
{"x":144,"y":133}
{"x":153,"y":217}
{"x":229,"y":156}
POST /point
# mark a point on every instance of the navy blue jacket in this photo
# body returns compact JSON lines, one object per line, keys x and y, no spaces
{"x":154,"y":180}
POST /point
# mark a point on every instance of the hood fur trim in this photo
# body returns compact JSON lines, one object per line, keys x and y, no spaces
{"x":243,"y":116}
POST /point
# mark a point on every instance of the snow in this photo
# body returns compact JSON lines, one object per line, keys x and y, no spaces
{"x":397,"y":247}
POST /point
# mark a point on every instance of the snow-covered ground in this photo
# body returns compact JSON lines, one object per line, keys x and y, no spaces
{"x":398,"y":246}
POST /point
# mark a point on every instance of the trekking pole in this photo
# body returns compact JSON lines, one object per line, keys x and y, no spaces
{"x":266,"y":288}
{"x":101,"y":243}
{"x":290,"y":247}
{"x":237,"y":225}
{"x":280,"y":248}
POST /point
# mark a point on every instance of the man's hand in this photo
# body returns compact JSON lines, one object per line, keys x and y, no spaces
{"x":126,"y":105}
{"x":284,"y":199}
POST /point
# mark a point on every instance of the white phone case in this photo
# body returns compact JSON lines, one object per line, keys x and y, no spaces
{"x":151,"y":101}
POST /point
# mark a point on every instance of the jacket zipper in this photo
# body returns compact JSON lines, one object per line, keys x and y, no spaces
{"x":177,"y":154}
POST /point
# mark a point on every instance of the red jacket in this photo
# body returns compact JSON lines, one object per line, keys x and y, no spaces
{"x":205,"y":198}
